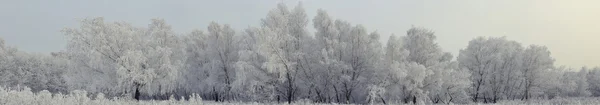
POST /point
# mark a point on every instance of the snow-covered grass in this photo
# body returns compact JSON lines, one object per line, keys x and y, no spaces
{"x":556,"y":101}
{"x":26,"y":97}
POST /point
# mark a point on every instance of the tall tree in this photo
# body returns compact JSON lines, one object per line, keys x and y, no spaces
{"x":223,"y":54}
{"x":494,"y":64}
{"x":536,"y":61}
{"x":194,"y":75}
{"x":283,"y":49}
{"x":142,"y":60}
{"x":432,"y":83}
{"x":325,"y":78}
{"x":254,"y":81}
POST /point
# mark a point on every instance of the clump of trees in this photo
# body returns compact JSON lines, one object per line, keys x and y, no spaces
{"x":281,"y":61}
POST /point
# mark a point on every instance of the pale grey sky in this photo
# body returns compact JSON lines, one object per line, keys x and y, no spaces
{"x":569,"y":28}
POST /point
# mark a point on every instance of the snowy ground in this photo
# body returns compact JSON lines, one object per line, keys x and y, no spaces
{"x":26,"y":97}
{"x":557,"y":101}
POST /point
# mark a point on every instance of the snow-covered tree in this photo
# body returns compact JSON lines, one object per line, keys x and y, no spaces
{"x":395,"y":76}
{"x":359,"y":55}
{"x":536,"y":61}
{"x":253,"y":81}
{"x":419,"y":42}
{"x":593,"y":79}
{"x":574,"y":84}
{"x":501,"y":69}
{"x":134,"y":60}
{"x":194,"y":75}
{"x":165,"y":56}
{"x":222,"y":53}
{"x":435,"y":80}
{"x":92,"y":50}
{"x":36,"y":71}
{"x":283,"y":47}
{"x":324,"y":78}
{"x":495,"y":67}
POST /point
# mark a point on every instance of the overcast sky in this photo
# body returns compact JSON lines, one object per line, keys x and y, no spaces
{"x":569,"y":28}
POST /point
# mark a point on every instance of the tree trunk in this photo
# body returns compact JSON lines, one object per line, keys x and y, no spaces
{"x":337,"y":98}
{"x":137,"y":93}
{"x":216,"y":94}
{"x":319,"y":96}
{"x":382,"y":100}
{"x":477,"y":90}
{"x":526,"y":94}
{"x":290,"y":90}
{"x":414,"y":99}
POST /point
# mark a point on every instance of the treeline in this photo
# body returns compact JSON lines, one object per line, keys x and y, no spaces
{"x":280,"y":61}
